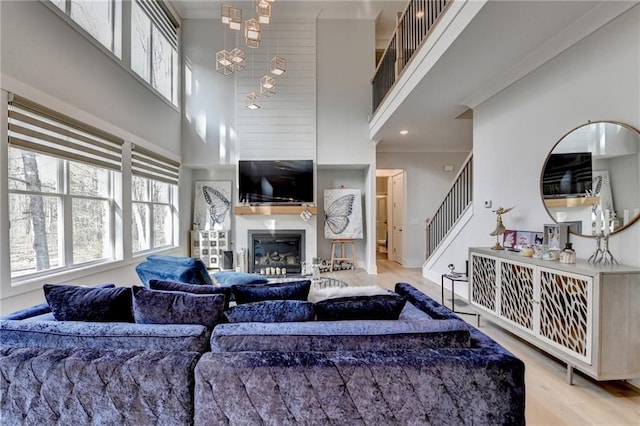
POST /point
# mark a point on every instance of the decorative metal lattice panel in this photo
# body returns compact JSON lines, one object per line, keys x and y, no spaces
{"x":564,"y":310}
{"x":484,"y":282}
{"x":516,"y":294}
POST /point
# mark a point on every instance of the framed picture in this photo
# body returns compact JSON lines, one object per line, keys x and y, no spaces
{"x":556,"y":235}
{"x":523,"y":239}
{"x":509,"y":239}
{"x":537,"y":238}
{"x":212,"y":205}
{"x":343,"y":214}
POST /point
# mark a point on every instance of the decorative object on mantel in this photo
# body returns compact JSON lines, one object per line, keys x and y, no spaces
{"x":306,"y":214}
{"x":212,"y":205}
{"x":500,"y":228}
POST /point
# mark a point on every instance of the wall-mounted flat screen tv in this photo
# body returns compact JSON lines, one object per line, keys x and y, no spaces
{"x":286,"y":181}
{"x":567,"y":175}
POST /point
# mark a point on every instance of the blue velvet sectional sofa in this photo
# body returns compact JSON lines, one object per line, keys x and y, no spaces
{"x":426,"y":368}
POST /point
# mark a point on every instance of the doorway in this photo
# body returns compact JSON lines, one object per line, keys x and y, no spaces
{"x":390,"y":208}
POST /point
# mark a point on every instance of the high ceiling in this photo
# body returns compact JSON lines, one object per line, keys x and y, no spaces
{"x":505,"y":41}
{"x":384,"y":11}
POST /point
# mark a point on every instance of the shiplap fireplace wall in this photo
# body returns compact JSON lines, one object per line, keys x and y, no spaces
{"x":284,"y":128}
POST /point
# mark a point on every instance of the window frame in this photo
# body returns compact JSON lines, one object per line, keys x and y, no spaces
{"x":174,"y":62}
{"x":124,"y":38}
{"x":171,"y":203}
{"x":66,"y":261}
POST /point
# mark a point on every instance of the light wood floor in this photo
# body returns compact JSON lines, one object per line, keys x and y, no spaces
{"x":550,"y":400}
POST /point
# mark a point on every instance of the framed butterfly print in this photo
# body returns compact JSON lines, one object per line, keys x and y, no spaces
{"x":212,"y":205}
{"x":342,"y":214}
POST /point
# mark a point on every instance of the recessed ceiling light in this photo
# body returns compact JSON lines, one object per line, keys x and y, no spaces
{"x":404,"y":132}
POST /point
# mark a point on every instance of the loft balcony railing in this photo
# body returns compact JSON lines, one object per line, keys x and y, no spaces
{"x":455,"y":203}
{"x":415,"y":24}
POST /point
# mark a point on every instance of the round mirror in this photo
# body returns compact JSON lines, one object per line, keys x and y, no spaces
{"x":591,"y":178}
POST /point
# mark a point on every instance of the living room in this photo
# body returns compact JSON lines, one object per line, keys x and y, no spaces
{"x":587,"y":73}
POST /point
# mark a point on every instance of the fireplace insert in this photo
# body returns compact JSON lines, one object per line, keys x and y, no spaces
{"x":278,"y":252}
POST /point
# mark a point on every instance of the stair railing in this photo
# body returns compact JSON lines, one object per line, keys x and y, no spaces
{"x":414,"y":25}
{"x":455,"y":203}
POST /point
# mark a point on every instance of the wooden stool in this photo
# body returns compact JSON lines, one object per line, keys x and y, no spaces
{"x":343,"y":256}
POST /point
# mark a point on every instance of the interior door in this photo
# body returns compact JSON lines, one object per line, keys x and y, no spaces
{"x":397,"y":208}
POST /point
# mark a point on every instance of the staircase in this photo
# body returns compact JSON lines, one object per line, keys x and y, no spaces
{"x":455,"y":204}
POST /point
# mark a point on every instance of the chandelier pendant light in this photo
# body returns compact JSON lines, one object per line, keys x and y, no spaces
{"x":252,"y":33}
{"x":225,"y":13}
{"x":253,"y":100}
{"x":224,"y":63}
{"x":263,"y":10}
{"x":238,"y":59}
{"x":278,"y":65}
{"x":267,"y":86}
{"x":235,"y":18}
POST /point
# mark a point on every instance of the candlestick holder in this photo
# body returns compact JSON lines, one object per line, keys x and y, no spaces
{"x":602,"y":256}
{"x":607,"y":258}
{"x":598,"y":253}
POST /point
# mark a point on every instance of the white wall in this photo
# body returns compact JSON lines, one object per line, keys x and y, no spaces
{"x":209,"y":119}
{"x":46,"y":60}
{"x":596,"y":79}
{"x":426,"y":186}
{"x":346,"y":62}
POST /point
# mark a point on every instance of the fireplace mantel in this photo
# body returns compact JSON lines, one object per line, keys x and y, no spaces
{"x":272,"y":210}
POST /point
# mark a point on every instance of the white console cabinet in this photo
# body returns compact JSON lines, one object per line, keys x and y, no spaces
{"x":209,"y":246}
{"x":586,"y":315}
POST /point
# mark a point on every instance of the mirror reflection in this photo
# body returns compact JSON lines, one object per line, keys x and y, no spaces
{"x":591,"y":178}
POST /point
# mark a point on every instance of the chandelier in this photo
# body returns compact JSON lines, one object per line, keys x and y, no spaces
{"x":230,"y":61}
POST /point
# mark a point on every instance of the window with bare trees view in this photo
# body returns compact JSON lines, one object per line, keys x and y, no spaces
{"x":61,"y":212}
{"x":65,"y":181}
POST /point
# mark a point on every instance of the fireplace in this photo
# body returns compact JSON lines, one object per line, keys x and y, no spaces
{"x":279,"y":252}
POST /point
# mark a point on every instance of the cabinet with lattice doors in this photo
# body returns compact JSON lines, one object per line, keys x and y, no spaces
{"x":209,"y":246}
{"x":583,"y":314}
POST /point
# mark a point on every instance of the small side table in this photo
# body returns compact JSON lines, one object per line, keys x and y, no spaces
{"x":453,"y":279}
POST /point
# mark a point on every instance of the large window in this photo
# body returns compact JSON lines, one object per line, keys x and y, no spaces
{"x":154,"y":195}
{"x":153,"y":37}
{"x":154,"y":47}
{"x":62,"y":179}
{"x":100,"y":18}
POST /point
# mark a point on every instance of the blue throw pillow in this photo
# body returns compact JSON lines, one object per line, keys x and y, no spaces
{"x":292,"y":290}
{"x":174,"y":307}
{"x":93,"y":304}
{"x":229,"y":278}
{"x":379,"y":307}
{"x":191,"y":288}
{"x":272,"y":311}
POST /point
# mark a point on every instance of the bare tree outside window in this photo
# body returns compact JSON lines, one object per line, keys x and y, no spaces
{"x":42,"y":191}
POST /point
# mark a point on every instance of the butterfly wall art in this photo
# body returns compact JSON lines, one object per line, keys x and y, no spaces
{"x":212,"y":205}
{"x":342,"y":214}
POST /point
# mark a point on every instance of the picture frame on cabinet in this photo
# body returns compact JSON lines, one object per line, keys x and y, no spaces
{"x":509,"y":239}
{"x":556,"y":235}
{"x":523,"y":239}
